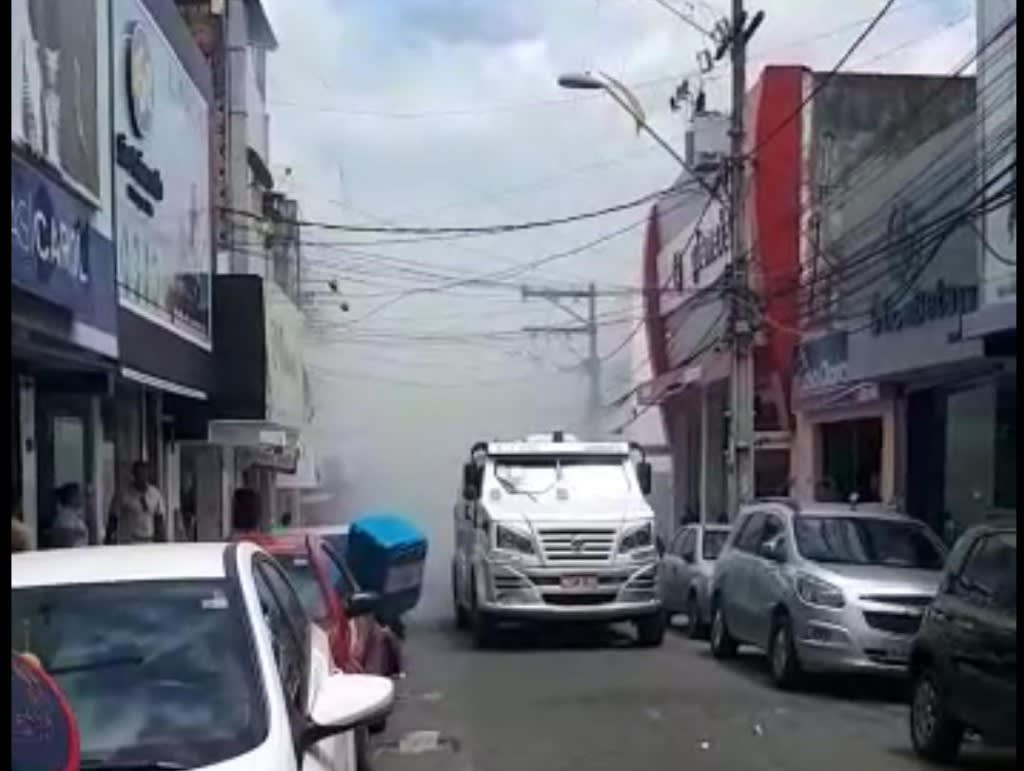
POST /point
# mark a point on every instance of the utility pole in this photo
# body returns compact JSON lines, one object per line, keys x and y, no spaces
{"x":587,"y":326}
{"x":740,"y":466}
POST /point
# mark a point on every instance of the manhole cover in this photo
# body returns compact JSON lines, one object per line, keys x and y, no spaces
{"x":420,"y":742}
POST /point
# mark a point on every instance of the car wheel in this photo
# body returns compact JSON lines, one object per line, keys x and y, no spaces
{"x":694,"y":624}
{"x":935,"y":735}
{"x":723,"y":644}
{"x":782,"y":656}
{"x":650,"y":630}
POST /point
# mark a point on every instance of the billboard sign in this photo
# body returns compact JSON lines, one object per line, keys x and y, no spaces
{"x":162,"y":178}
{"x":58,"y":109}
{"x":57,"y":255}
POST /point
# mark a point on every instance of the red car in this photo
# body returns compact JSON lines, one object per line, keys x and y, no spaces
{"x":333,"y":601}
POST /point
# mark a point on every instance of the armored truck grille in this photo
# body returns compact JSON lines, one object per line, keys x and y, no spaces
{"x":577,"y":544}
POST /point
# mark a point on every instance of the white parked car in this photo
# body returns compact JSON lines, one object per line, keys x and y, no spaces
{"x":189,"y":656}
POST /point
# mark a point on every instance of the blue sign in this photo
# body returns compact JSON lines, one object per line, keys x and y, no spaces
{"x":57,"y":255}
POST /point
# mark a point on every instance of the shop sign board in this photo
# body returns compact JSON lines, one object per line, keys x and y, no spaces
{"x":285,"y":380}
{"x":700,"y":254}
{"x":58,"y":255}
{"x":822,"y":362}
{"x":162,"y":178}
{"x":59,"y":98}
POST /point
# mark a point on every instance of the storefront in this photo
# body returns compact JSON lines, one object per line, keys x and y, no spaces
{"x":259,"y":408}
{"x":64,"y":342}
{"x":896,"y":400}
{"x":161,"y":95}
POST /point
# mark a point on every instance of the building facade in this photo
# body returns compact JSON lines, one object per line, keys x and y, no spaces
{"x":688,"y":257}
{"x":162,"y":94}
{"x":893,"y":402}
{"x":258,"y":416}
{"x":64,"y":337}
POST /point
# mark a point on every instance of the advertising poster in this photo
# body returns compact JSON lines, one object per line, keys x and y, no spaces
{"x":55,"y":101}
{"x":161,"y":177}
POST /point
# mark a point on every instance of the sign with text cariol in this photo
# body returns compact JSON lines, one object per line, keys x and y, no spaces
{"x":162,"y":178}
{"x":57,"y":255}
{"x":285,"y":374}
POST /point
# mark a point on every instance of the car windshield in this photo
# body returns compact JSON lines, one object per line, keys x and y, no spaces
{"x":865,"y":541}
{"x":714,"y":540}
{"x":300,"y":572}
{"x":154,"y":671}
{"x":579,"y":476}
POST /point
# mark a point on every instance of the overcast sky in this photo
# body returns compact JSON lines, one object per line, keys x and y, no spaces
{"x":446,"y":112}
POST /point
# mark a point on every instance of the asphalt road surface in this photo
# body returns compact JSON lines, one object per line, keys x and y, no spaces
{"x":590,"y":701}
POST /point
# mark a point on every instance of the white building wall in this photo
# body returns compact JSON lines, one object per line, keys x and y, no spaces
{"x":997,"y":109}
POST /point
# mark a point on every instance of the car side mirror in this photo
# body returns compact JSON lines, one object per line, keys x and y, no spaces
{"x":643,"y":475}
{"x":361,"y":604}
{"x":773,"y":550}
{"x":688,"y":558}
{"x":345,"y":702}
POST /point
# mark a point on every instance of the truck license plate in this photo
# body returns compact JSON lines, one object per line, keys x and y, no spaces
{"x":579,"y":582}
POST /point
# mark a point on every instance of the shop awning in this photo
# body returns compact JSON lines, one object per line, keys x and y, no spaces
{"x":990,"y":320}
{"x":252,"y":433}
{"x":306,"y":475}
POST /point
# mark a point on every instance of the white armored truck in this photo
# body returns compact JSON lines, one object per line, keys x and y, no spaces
{"x":552,"y":528}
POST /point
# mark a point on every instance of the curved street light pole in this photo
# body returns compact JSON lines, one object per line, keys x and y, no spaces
{"x":584,"y":81}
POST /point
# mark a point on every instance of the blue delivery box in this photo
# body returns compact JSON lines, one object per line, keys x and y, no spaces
{"x":386,"y":554}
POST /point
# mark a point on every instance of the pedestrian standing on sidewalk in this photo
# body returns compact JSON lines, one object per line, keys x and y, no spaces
{"x":21,"y":537}
{"x":69,"y":529}
{"x":139,"y":514}
{"x":246,"y":510}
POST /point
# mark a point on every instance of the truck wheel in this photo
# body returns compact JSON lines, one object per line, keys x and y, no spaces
{"x":650,"y":630}
{"x":480,"y":624}
{"x":461,"y":617}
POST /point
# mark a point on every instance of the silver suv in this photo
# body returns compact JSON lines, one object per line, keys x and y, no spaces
{"x":825,"y":587}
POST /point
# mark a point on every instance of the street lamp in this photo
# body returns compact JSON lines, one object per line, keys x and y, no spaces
{"x":584,"y":81}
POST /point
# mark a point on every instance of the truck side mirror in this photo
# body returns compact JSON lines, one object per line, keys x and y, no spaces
{"x":643,"y":475}
{"x":660,"y":545}
{"x":471,"y":478}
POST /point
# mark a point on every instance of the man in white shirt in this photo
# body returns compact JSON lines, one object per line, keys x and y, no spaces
{"x":139,"y":515}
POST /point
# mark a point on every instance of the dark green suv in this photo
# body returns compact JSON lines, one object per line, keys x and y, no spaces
{"x":964,"y":659}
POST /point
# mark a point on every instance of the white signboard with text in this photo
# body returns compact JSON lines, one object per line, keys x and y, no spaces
{"x":285,"y":383}
{"x":162,"y":178}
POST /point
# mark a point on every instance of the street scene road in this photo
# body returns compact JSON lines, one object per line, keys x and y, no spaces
{"x":591,"y":700}
{"x":391,"y":379}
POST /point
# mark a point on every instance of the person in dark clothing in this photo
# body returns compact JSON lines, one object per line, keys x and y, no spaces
{"x":246,"y":510}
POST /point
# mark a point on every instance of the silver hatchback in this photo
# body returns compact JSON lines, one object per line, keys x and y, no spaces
{"x":824,"y":587}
